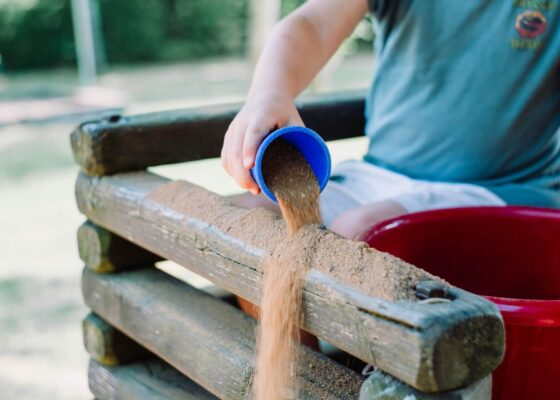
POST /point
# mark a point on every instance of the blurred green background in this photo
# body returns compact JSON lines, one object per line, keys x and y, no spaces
{"x":38,"y":34}
{"x":134,"y":31}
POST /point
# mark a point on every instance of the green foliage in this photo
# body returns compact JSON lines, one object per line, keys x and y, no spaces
{"x":132,"y":30}
{"x":39,"y":33}
{"x":208,"y":28}
{"x":154,"y":30}
{"x":290,"y":5}
{"x":36,"y":34}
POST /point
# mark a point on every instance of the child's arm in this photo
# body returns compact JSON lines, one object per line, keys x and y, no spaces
{"x":298,"y":48}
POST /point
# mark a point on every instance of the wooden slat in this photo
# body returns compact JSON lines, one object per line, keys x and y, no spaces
{"x":107,"y":345}
{"x":120,"y":144}
{"x":148,"y":380}
{"x":380,"y":386}
{"x":205,"y":338}
{"x":433,"y":347}
{"x":213,"y":342}
{"x":103,"y":251}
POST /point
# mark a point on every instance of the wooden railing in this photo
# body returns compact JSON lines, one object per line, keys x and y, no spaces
{"x":429,"y":347}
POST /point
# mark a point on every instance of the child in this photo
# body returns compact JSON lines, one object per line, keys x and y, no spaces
{"x":464,"y":108}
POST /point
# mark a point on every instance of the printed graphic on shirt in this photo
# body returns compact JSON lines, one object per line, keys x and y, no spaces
{"x":530,"y":24}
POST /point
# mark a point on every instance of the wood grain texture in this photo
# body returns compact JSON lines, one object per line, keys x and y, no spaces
{"x":208,"y":340}
{"x":380,"y":386}
{"x":149,"y":380}
{"x":137,"y":142}
{"x":432,"y":347}
{"x":103,"y":251}
{"x":107,"y":345}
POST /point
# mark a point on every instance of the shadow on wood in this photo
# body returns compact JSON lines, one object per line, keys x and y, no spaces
{"x":107,"y":345}
{"x":103,"y":251}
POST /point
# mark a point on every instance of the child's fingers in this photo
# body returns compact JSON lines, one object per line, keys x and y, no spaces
{"x":296,"y":120}
{"x":245,"y":180}
{"x":238,"y":171}
{"x":228,"y":152}
{"x":253,"y":138}
{"x":224,"y":153}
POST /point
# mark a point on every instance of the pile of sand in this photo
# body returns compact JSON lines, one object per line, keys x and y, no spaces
{"x":372,"y":272}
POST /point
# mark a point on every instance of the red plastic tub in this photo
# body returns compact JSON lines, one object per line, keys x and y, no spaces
{"x":511,"y":255}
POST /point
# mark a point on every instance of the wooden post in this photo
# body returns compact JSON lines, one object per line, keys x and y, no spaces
{"x":433,"y":347}
{"x":98,"y":39}
{"x":108,"y":346}
{"x":103,"y":251}
{"x":84,"y":33}
{"x":147,"y":380}
{"x":264,"y":16}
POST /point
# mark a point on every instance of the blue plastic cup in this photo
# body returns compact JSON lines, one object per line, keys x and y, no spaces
{"x":311,"y":146}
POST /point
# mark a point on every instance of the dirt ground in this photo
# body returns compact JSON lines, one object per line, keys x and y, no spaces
{"x":41,"y":354}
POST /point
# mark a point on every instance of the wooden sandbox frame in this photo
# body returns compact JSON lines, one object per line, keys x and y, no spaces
{"x":153,"y":336}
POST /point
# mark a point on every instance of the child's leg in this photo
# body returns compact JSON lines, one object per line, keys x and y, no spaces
{"x":354,"y":223}
{"x":360,"y":195}
{"x":350,"y":224}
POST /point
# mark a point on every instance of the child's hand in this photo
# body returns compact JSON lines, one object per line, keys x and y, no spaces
{"x":261,"y":114}
{"x":295,"y":52}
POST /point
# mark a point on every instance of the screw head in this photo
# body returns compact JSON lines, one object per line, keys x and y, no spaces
{"x":430,"y":289}
{"x":114,"y":118}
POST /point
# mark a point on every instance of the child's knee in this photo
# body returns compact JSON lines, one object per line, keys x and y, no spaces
{"x":354,"y":223}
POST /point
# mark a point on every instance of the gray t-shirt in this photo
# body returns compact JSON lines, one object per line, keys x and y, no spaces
{"x":469,"y":91}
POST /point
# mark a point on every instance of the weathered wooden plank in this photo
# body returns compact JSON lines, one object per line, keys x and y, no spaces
{"x":380,"y":386}
{"x":120,"y":144}
{"x":107,"y":345}
{"x":149,"y":380}
{"x":103,"y":251}
{"x":205,"y":338}
{"x":433,"y":347}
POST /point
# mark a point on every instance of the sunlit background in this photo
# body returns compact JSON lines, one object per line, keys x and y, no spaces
{"x":65,"y":61}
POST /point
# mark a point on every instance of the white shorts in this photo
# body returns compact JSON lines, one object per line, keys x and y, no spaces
{"x":357,"y":183}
